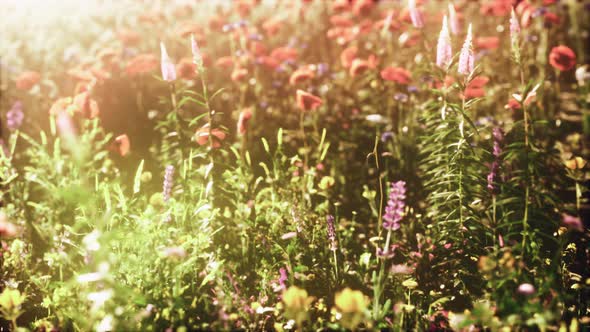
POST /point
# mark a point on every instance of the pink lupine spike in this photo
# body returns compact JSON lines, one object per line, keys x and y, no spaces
{"x":444,"y":52}
{"x":466,"y":58}
{"x":168,"y":69}
{"x":197,"y":56}
{"x":415,"y":15}
{"x":454,"y":20}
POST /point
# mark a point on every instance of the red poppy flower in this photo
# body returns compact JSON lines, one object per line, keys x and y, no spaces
{"x":348,"y":55}
{"x":122,"y":144}
{"x":396,"y":74}
{"x":27,"y":80}
{"x":86,"y":105}
{"x":284,"y":53}
{"x":552,"y":18}
{"x":269,"y":62}
{"x":238,"y":74}
{"x":216,"y":22}
{"x":7,"y":229}
{"x":151,"y":17}
{"x":301,"y":75}
{"x":128,"y":37}
{"x":340,"y":5}
{"x":512,"y":104}
{"x":202,"y":136}
{"x":562,"y":58}
{"x":341,"y":21}
{"x":487,"y":43}
{"x":475,"y":88}
{"x":362,"y":7}
{"x":342,"y":35}
{"x":225,"y":62}
{"x":60,"y":105}
{"x":272,"y":26}
{"x":186,"y":69}
{"x":306,"y":101}
{"x":245,"y":116}
{"x":141,"y":64}
{"x":359,"y":65}
{"x":258,"y":48}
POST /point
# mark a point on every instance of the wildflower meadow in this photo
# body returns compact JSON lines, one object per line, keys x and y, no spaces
{"x":294,"y":165}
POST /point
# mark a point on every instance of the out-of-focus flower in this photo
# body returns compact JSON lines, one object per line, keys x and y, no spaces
{"x":297,"y":303}
{"x":15,"y":116}
{"x":86,"y":105}
{"x":475,"y":88}
{"x":122,"y":144}
{"x":575,"y":163}
{"x":239,"y":74}
{"x":284,"y":53}
{"x":174,"y":252}
{"x":362,"y":7}
{"x":444,"y":52}
{"x":530,"y":97}
{"x":487,"y":43}
{"x":348,"y":55}
{"x":454,"y":20}
{"x":7,"y":229}
{"x":394,"y":211}
{"x":289,"y":235}
{"x":128,"y":37}
{"x":244,"y":118}
{"x":202,"y":136}
{"x":331,"y":232}
{"x":308,"y":102}
{"x":582,"y":75}
{"x":27,"y":80}
{"x":552,"y":18}
{"x":352,"y":304}
{"x":225,"y":62}
{"x":415,"y":14}
{"x":186,"y":69}
{"x":141,"y":64}
{"x":197,"y":56}
{"x":396,"y":74}
{"x":562,"y":58}
{"x":401,"y":269}
{"x":571,"y":222}
{"x":466,"y":58}
{"x":301,"y":75}
{"x":360,"y":65}
{"x":168,"y":69}
{"x":168,"y":183}
{"x":526,"y":289}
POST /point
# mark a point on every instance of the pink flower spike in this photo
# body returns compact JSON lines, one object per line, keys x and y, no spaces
{"x":168,"y":69}
{"x":573,"y":223}
{"x":466,"y":58}
{"x":444,"y":52}
{"x":454,"y":20}
{"x":289,"y":235}
{"x":415,"y":15}
{"x":526,"y":289}
{"x":197,"y":56}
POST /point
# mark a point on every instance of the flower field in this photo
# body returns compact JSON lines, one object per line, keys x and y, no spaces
{"x":295,"y":165}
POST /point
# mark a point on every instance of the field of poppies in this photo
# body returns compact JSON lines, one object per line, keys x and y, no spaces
{"x":295,"y":165}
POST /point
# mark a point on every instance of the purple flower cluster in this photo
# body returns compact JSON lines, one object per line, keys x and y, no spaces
{"x":498,"y":137}
{"x":394,"y":211}
{"x":15,"y":116}
{"x":331,"y":232}
{"x":168,"y":182}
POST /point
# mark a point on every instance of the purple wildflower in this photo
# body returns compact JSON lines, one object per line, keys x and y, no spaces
{"x":168,"y":69}
{"x":394,"y":211}
{"x":466,"y":58}
{"x":498,"y":137}
{"x":15,"y":116}
{"x":444,"y":52}
{"x":415,"y":15}
{"x":168,"y":182}
{"x":514,"y":26}
{"x":331,"y":232}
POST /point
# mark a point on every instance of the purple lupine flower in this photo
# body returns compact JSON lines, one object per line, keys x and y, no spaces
{"x":394,"y":211}
{"x":168,"y":182}
{"x":401,"y":97}
{"x":415,"y":15}
{"x":498,"y":136}
{"x":283,"y":278}
{"x":322,"y":68}
{"x":444,"y":52}
{"x":331,"y":232}
{"x":168,"y":69}
{"x":466,"y":58}
{"x":197,"y":56}
{"x":386,"y":136}
{"x":454,"y":20}
{"x":15,"y":116}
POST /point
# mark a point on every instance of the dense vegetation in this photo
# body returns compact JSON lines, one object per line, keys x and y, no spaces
{"x":295,"y":165}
